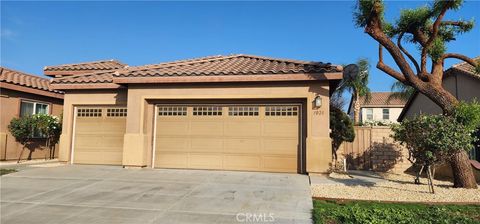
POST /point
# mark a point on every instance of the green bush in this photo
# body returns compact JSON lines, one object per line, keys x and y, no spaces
{"x":379,"y":213}
{"x":341,"y":127}
{"x":433,"y":138}
{"x":27,"y":129}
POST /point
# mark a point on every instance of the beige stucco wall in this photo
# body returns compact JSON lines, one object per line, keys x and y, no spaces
{"x":84,"y":97}
{"x":378,"y":113}
{"x":468,"y":88}
{"x":141,"y":98}
{"x":9,"y":109}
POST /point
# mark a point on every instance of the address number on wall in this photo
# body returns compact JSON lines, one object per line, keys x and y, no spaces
{"x":318,"y":112}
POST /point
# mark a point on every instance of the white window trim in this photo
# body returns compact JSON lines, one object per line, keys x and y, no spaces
{"x":34,"y":106}
{"x":383,"y":113}
{"x":366,"y":114}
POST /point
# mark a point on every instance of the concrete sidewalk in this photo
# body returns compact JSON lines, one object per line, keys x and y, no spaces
{"x":109,"y":194}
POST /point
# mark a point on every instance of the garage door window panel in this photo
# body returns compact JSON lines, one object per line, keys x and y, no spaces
{"x":172,"y":111}
{"x":89,"y":112}
{"x":243,"y":111}
{"x":207,"y":111}
{"x":116,"y":112}
{"x":281,"y":111}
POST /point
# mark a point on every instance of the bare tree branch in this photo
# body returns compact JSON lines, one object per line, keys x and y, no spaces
{"x":399,"y":43}
{"x":374,"y":29}
{"x":387,"y":69}
{"x":459,"y":56}
{"x":432,"y":37}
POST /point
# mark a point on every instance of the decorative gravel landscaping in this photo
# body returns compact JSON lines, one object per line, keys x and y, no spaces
{"x":375,"y":212}
{"x":390,"y":187}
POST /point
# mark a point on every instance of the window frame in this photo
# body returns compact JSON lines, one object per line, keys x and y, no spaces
{"x":35,"y":103}
{"x":388,"y":113}
{"x":34,"y":106}
{"x":366,"y":114}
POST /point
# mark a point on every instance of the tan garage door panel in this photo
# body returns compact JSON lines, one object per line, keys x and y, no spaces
{"x":239,"y":137}
{"x":99,"y":135}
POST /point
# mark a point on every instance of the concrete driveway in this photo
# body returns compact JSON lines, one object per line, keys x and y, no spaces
{"x":109,"y":194}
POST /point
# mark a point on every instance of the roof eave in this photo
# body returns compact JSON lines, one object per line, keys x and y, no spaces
{"x":63,"y":73}
{"x":232,"y":78}
{"x":70,"y":86}
{"x":31,"y":90}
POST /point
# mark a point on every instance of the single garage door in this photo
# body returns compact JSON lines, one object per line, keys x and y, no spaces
{"x":228,"y":137}
{"x":99,"y":135}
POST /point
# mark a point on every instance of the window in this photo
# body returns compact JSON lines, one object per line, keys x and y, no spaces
{"x":207,"y":111}
{"x":116,"y":112}
{"x":369,"y":112}
{"x":281,"y":111}
{"x":89,"y":112}
{"x":243,"y":111}
{"x":172,"y":111}
{"x":28,"y":108}
{"x":386,"y":114}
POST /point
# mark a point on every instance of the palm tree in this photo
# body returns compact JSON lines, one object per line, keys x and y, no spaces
{"x":357,"y":85}
{"x":400,"y":91}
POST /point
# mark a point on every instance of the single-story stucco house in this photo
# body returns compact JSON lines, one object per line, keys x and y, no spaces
{"x":23,"y":94}
{"x":237,"y":112}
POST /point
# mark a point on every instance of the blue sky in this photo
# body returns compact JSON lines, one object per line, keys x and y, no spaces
{"x":36,"y":34}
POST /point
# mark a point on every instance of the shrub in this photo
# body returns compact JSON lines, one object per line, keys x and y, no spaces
{"x":341,"y":127}
{"x":27,"y":129}
{"x":433,"y":138}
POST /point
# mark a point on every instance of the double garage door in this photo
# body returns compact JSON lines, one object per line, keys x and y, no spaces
{"x":221,"y":137}
{"x":228,"y":137}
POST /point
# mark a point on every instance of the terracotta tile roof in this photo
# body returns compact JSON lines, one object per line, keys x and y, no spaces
{"x":87,"y":66}
{"x":96,"y":77}
{"x":26,"y":80}
{"x":381,"y":99}
{"x":228,"y":65}
{"x":207,"y":66}
{"x":467,"y":68}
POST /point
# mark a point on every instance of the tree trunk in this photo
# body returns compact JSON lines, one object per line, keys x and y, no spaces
{"x":462,"y":171}
{"x":441,"y":97}
{"x":356,"y":112}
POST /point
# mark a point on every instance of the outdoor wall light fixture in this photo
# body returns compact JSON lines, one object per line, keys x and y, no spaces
{"x":318,"y":101}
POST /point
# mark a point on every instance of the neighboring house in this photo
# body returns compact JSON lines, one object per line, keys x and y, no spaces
{"x":237,"y":112}
{"x":21,"y":95}
{"x":461,"y":81}
{"x":379,"y":108}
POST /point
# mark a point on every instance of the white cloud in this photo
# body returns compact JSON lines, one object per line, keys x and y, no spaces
{"x":7,"y":33}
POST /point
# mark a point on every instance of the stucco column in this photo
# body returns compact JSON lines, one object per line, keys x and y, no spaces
{"x":135,"y":140}
{"x":319,"y":147}
{"x":64,"y":144}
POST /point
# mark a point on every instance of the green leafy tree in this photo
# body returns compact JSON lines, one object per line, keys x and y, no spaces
{"x":341,"y":127}
{"x":357,"y":85}
{"x":426,"y":28}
